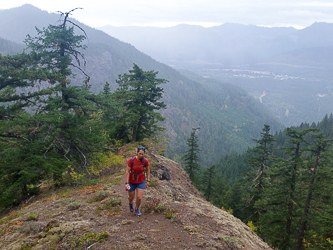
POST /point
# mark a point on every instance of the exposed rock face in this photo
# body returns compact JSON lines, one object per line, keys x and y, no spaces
{"x":161,"y":172}
{"x":175,"y":215}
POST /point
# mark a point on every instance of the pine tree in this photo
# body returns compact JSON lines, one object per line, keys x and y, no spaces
{"x":46,"y":127}
{"x":190,"y":157}
{"x":139,"y":93}
{"x":208,"y":182}
{"x":316,"y":164}
{"x":67,"y":112}
{"x":281,"y":198}
{"x":257,"y":177}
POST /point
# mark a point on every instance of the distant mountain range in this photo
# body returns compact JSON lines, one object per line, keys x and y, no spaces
{"x":288,"y":70}
{"x":228,"y":117}
{"x":227,"y":45}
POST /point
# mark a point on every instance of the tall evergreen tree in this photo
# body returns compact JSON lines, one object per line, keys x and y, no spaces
{"x":257,"y":177}
{"x":319,"y":160}
{"x":66,"y":113}
{"x":139,"y":93}
{"x":52,"y":126}
{"x":208,"y":182}
{"x":190,"y":157}
{"x":281,"y":198}
{"x":293,"y":164}
{"x":296,"y":201}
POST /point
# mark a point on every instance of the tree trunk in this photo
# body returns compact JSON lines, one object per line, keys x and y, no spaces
{"x":307,"y":206}
{"x":291,"y":201}
{"x":135,"y":131}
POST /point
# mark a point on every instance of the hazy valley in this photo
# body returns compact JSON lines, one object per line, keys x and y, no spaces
{"x":292,"y":67}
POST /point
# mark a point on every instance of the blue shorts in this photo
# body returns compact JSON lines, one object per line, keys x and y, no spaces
{"x":141,"y":185}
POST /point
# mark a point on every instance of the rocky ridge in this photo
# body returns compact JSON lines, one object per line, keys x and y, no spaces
{"x":175,"y":215}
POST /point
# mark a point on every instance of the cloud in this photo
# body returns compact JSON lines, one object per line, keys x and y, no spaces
{"x":147,"y":12}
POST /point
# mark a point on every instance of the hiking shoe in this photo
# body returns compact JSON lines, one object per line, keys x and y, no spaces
{"x":138,"y":212}
{"x":131,"y":207}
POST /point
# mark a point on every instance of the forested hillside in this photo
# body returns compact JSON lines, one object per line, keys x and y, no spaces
{"x":282,"y":187}
{"x":9,"y":47}
{"x":288,"y":70}
{"x":228,"y":118}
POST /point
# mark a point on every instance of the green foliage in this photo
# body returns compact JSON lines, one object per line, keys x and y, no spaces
{"x":295,"y":201}
{"x":190,"y":157}
{"x":74,"y":205}
{"x":25,"y":246}
{"x":101,"y":162}
{"x":153,"y":205}
{"x":230,"y":210}
{"x":46,"y":124}
{"x":217,"y":107}
{"x":30,"y":227}
{"x":171,"y":214}
{"x":252,"y":226}
{"x":99,"y":196}
{"x":111,"y":205}
{"x":88,"y":239}
{"x":153,"y":182}
{"x":207,"y":182}
{"x":230,"y":239}
{"x":139,"y":93}
{"x":256,"y":177}
{"x":32,"y":216}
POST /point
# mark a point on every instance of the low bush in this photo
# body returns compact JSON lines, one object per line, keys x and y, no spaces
{"x":73,"y":206}
{"x":171,"y":214}
{"x":153,"y":205}
{"x":99,"y":196}
{"x":32,"y":216}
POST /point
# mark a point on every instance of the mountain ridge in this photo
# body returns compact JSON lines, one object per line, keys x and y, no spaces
{"x":174,"y":215}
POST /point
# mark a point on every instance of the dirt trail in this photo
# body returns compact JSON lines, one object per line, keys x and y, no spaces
{"x":149,"y":231}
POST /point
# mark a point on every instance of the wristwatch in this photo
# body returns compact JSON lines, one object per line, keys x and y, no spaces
{"x":148,"y":180}
{"x":126,"y":182}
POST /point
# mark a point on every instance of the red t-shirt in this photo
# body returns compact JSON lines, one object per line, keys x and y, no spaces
{"x":138,"y":169}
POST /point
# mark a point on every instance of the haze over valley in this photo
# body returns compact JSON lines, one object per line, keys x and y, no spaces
{"x":292,"y":67}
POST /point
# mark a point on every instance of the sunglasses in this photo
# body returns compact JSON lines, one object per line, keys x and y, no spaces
{"x":143,"y":148}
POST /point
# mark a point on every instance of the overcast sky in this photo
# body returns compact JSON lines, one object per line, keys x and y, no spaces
{"x":162,"y":13}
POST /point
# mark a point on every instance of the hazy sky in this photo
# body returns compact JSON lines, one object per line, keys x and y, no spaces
{"x":277,"y":13}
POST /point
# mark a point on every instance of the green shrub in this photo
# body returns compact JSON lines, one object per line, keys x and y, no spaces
{"x":88,"y":239}
{"x":154,"y":205}
{"x":99,"y":196}
{"x":101,"y":162}
{"x":32,"y":216}
{"x":30,"y":227}
{"x":171,"y":214}
{"x":252,"y":226}
{"x":73,"y":206}
{"x":109,"y":205}
{"x":153,"y":183}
